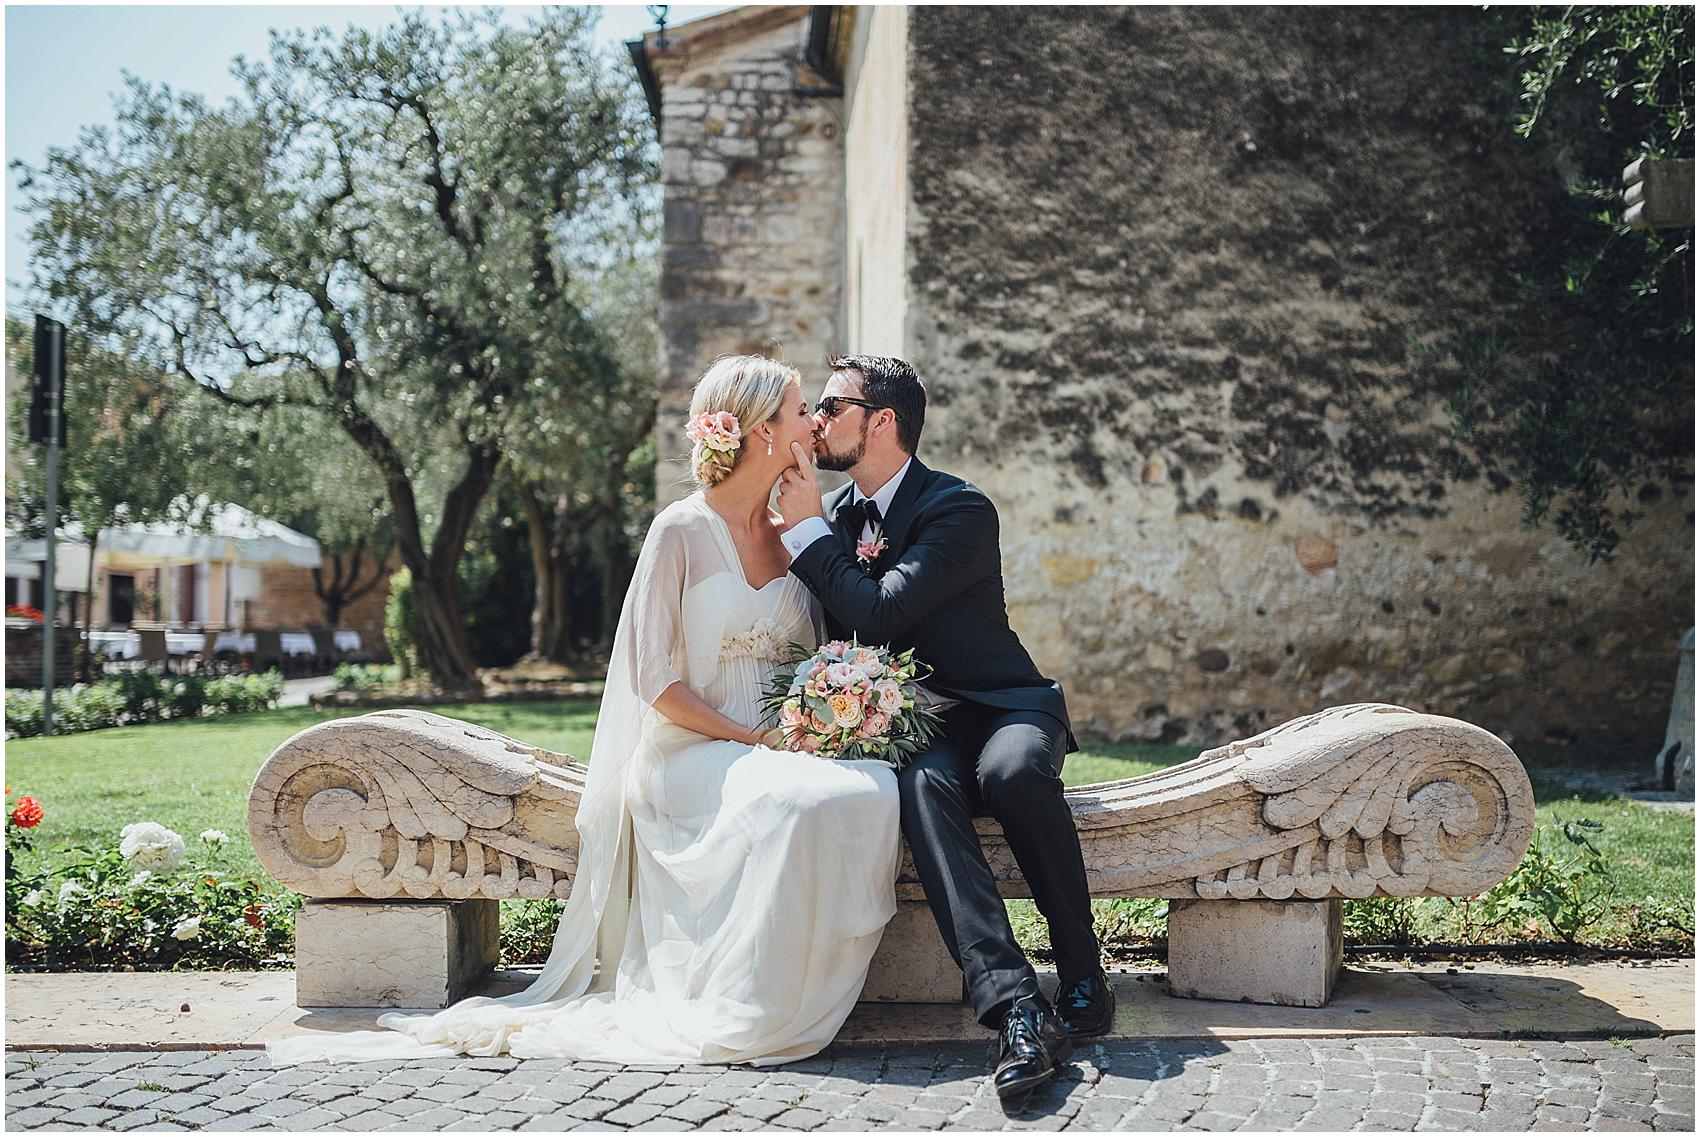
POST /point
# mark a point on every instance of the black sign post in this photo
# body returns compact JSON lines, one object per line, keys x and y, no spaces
{"x":47,"y":424}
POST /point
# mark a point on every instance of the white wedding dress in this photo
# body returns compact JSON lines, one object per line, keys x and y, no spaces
{"x":729,"y":898}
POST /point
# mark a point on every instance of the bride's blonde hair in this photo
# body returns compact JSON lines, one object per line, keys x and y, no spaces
{"x":751,"y":388}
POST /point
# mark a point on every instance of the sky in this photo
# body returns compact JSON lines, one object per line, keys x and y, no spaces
{"x":64,"y":65}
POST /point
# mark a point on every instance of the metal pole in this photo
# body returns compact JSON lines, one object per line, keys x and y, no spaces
{"x":55,"y":407}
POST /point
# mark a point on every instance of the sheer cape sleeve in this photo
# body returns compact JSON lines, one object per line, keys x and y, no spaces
{"x":647,"y":657}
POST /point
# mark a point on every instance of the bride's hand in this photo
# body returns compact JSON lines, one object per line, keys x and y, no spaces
{"x":770,"y":737}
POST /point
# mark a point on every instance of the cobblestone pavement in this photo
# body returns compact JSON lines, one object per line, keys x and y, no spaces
{"x":1265,"y":1084}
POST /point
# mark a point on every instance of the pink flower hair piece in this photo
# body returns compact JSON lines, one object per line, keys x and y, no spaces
{"x":717,"y":430}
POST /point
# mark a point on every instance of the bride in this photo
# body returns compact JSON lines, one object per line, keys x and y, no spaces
{"x":729,"y":895}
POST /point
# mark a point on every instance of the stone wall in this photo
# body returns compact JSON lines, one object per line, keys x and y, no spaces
{"x":1173,"y":274}
{"x":876,"y":175}
{"x":753,"y":177}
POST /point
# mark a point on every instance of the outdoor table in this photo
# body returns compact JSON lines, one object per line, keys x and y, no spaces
{"x":116,"y":645}
{"x":239,"y":642}
{"x":182,"y":643}
{"x":297,"y":643}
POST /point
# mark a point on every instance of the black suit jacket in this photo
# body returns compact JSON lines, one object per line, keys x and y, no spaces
{"x":937,"y":587}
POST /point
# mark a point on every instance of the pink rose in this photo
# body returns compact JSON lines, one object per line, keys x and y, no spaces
{"x":890,"y":696}
{"x":876,"y":725}
{"x":808,"y":744}
{"x":817,"y":668}
{"x":836,"y":649}
{"x":792,"y":716}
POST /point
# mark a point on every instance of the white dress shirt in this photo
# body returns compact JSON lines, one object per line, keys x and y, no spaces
{"x":811,"y":529}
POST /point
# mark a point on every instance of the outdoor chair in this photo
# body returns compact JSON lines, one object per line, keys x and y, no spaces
{"x":268,"y":651}
{"x":154,"y":650}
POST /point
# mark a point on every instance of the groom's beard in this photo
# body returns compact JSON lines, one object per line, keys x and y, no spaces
{"x":827,"y":460}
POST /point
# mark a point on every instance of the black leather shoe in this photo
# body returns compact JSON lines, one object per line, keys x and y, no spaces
{"x":1034,"y":1041}
{"x":1087,"y":1006}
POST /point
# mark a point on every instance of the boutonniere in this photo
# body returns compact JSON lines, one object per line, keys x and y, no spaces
{"x":867,"y":552}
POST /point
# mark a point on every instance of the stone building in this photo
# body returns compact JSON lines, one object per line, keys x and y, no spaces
{"x":1174,"y":279}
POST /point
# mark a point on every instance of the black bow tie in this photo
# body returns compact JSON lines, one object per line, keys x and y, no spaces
{"x":857,"y":513}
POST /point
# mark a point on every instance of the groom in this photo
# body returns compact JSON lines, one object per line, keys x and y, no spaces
{"x":908,"y":556}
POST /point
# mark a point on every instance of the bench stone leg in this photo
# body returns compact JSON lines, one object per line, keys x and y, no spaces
{"x":1286,"y":952}
{"x":912,"y":965}
{"x":380,"y":953}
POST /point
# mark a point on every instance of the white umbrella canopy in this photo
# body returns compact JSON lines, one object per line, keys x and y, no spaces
{"x":237,"y":535}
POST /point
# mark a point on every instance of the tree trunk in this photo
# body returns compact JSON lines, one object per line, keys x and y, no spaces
{"x":443,"y":651}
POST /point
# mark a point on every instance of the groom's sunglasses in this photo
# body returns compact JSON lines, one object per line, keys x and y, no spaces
{"x":830,"y":406}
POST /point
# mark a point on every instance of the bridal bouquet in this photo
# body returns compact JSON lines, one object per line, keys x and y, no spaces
{"x":845,"y":700}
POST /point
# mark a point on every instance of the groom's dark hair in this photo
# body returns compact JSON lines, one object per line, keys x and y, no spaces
{"x":893,"y":383}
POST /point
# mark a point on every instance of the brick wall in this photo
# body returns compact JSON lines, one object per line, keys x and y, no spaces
{"x":287,"y":601}
{"x":24,"y":643}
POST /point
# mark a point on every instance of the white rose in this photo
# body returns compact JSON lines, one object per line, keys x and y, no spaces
{"x":32,"y":898}
{"x":214,"y":836}
{"x":71,"y":889}
{"x":150,"y":845}
{"x":842,"y":675}
{"x":188,"y":929}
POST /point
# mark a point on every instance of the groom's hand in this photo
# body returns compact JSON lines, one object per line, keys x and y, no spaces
{"x":799,"y":491}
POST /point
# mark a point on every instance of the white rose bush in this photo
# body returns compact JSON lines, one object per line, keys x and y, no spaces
{"x":148,"y":900}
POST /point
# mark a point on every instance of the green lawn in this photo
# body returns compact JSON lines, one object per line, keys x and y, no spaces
{"x":195,"y":775}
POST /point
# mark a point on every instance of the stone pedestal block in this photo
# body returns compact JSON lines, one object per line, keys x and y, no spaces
{"x":912,"y":964}
{"x":1286,"y":952}
{"x":373,"y":953}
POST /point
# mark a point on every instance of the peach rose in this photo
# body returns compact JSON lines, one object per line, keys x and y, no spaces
{"x":846,"y":709}
{"x":867,"y":661}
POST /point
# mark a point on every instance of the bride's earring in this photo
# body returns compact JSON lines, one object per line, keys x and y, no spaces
{"x":770,"y":446}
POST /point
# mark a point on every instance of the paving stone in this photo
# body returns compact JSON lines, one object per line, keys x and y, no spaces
{"x":86,"y":1116}
{"x":631,"y":1114}
{"x":202,"y":1117}
{"x":695,"y":1109}
{"x":31,"y":1118}
{"x":1626,"y":1111}
{"x":368,"y":1121}
{"x":1384,"y":1120}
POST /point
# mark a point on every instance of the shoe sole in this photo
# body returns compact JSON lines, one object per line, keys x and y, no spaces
{"x":1105,"y":1029}
{"x":1014,"y":1088}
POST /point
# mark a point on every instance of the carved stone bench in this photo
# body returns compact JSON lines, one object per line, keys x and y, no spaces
{"x":404,"y":828}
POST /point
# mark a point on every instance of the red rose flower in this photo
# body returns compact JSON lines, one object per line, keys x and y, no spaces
{"x":28,"y":813}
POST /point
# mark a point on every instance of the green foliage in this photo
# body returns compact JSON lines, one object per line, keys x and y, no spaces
{"x":401,"y":624}
{"x":1382,"y":920}
{"x":139,"y":696}
{"x":395,"y":232}
{"x":528,"y":930}
{"x":95,"y":911}
{"x":365,"y":676}
{"x":1570,"y":889}
{"x":1583,"y":391}
{"x":1643,"y":51}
